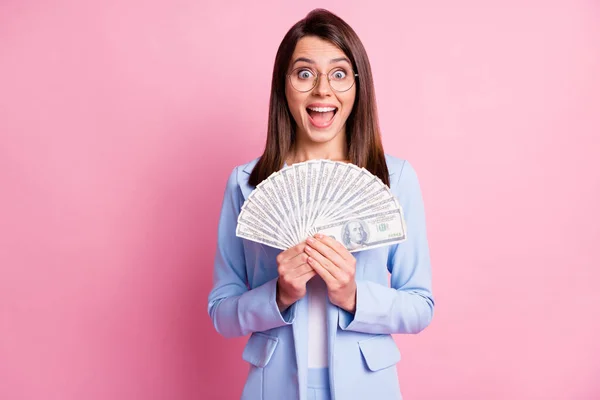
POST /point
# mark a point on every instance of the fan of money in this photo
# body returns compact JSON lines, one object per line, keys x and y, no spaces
{"x":333,"y":198}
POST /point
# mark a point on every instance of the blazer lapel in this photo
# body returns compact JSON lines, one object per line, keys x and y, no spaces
{"x":300,"y":330}
{"x":243,"y":179}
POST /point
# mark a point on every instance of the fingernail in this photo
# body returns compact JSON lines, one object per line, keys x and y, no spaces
{"x":319,"y":236}
{"x":310,"y":240}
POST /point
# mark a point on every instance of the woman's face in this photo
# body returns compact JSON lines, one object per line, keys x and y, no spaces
{"x":321,"y":113}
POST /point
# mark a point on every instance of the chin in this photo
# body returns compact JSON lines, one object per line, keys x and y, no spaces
{"x":322,"y":136}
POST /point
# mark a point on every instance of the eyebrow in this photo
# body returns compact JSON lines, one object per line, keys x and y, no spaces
{"x":308,"y":60}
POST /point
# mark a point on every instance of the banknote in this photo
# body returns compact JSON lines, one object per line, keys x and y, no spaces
{"x":246,"y":232}
{"x":301,"y":191}
{"x":355,"y":189}
{"x":263,"y":220}
{"x":349,"y":174}
{"x":385,"y":204}
{"x":282,"y":196}
{"x":364,"y":204}
{"x":338,"y":199}
{"x":367,"y":232}
{"x":266,"y":196}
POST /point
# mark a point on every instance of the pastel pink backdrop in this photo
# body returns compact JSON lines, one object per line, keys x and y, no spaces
{"x":121,"y":120}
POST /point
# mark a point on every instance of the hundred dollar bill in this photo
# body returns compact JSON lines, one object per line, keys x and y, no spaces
{"x":354,"y":180}
{"x":366,"y":185}
{"x":348,"y":173}
{"x":367,"y":206}
{"x":368,"y":197}
{"x":247,"y":232}
{"x":262,"y":220}
{"x":259,"y":226}
{"x":273,"y":187}
{"x":324,"y":183}
{"x":290,"y":184}
{"x":302,"y":195}
{"x":286,"y":200}
{"x":312,"y":169}
{"x":332,"y":185}
{"x":384,"y":204}
{"x":316,"y":182}
{"x":290,"y":178}
{"x":363,"y":233}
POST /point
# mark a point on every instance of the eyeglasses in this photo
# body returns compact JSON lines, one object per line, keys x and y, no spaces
{"x":304,"y":79}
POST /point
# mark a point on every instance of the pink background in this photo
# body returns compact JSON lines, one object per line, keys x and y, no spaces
{"x":121,"y":120}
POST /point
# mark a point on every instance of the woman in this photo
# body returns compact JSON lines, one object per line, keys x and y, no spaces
{"x":321,"y":318}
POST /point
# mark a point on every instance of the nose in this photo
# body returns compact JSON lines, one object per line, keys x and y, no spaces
{"x":322,"y":87}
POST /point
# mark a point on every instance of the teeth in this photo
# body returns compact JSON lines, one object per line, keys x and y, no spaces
{"x":322,"y":109}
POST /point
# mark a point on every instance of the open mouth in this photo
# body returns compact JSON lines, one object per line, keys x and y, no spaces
{"x":321,"y":117}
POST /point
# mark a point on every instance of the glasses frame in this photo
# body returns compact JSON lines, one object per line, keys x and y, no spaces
{"x":316,"y":80}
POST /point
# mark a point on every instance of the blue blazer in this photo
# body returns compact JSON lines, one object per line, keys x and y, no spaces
{"x":362,"y":352}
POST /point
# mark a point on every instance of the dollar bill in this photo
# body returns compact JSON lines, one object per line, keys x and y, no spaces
{"x":301,"y":190}
{"x":347,"y":173}
{"x":267,"y":189}
{"x":367,"y":232}
{"x":263,"y":219}
{"x":330,"y":187}
{"x":372,"y":195}
{"x":321,"y":196}
{"x":262,"y":227}
{"x":367,"y":185}
{"x":356,"y":178}
{"x":316,"y":183}
{"x":325,"y":170}
{"x":247,"y":232}
{"x":385,"y":204}
{"x":312,"y":170}
{"x":283,"y":197}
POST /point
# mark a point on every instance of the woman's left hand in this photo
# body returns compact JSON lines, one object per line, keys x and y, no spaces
{"x":337,"y":266}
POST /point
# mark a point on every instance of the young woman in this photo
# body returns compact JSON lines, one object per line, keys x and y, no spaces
{"x":321,"y":318}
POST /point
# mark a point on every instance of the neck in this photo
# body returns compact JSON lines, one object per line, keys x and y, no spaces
{"x":305,"y":150}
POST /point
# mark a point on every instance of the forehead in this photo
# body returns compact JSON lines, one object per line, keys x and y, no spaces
{"x":319,"y":50}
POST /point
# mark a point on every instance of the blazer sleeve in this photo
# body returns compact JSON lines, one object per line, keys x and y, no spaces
{"x":235,"y":309}
{"x":407,"y":306}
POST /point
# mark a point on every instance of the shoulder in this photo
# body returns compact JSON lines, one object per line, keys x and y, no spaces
{"x":394,"y":164}
{"x":237,"y":183}
{"x":249,"y":166}
{"x":398,"y":167}
{"x":403,"y":177}
{"x":240,"y":173}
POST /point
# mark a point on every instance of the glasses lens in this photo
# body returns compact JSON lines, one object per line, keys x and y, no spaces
{"x":302,"y":79}
{"x":341,"y":79}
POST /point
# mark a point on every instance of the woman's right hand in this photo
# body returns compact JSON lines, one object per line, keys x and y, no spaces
{"x":294,"y":273}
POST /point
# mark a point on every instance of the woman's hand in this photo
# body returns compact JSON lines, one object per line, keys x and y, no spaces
{"x":337,"y":266}
{"x":293,"y":272}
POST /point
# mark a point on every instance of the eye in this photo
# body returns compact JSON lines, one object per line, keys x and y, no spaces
{"x":305,"y":74}
{"x":338,"y":74}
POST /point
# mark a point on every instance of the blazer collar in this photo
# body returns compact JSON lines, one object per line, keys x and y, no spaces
{"x":250,"y":166}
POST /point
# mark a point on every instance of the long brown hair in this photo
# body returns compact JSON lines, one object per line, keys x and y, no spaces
{"x":362,"y":126}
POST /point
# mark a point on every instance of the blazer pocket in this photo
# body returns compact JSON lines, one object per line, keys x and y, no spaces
{"x":379,"y":352}
{"x":259,"y":349}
